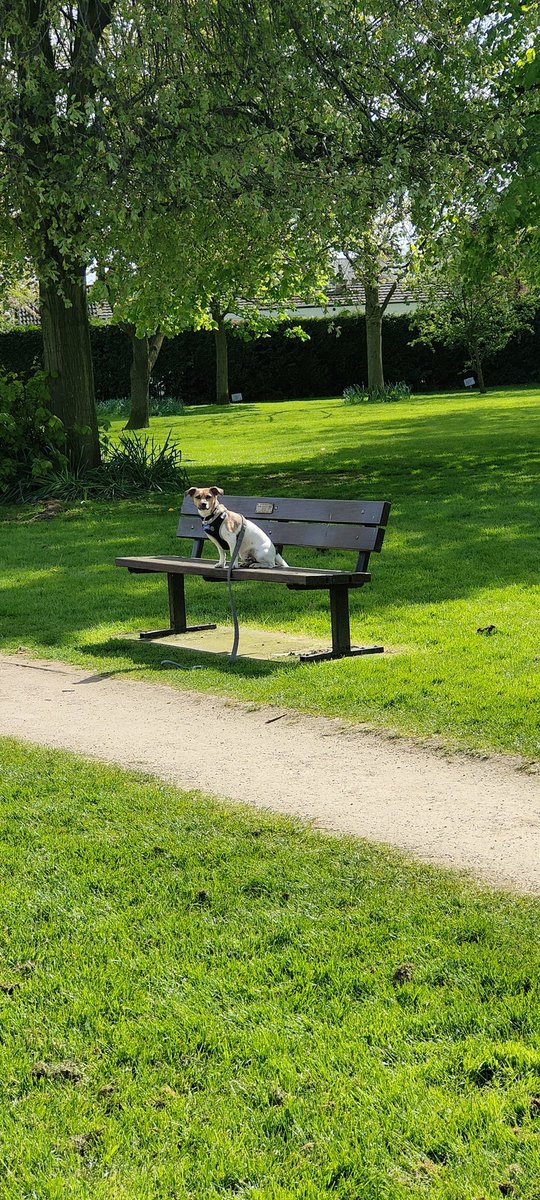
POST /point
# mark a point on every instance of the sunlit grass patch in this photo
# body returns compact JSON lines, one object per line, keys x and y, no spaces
{"x":199,"y":1002}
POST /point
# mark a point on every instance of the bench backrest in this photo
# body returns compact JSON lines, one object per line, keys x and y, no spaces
{"x":322,"y":524}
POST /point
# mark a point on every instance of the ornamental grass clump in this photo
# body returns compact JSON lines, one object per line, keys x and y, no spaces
{"x":132,"y":466}
{"x":138,"y":464}
{"x":159,"y":406}
{"x":357,"y":393}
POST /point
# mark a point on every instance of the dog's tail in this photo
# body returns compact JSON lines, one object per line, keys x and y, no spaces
{"x":280,"y":561}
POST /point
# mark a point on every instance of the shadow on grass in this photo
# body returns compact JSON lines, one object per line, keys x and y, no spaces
{"x":150,"y":657}
{"x":464,"y":518}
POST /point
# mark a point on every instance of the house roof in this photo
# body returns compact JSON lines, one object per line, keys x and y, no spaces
{"x":22,"y":313}
{"x":340,"y":293}
{"x":27,"y":313}
{"x":347,"y":294}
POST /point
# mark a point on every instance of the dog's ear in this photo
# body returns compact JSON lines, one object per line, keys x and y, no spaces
{"x":191,"y":491}
{"x":216,"y":491}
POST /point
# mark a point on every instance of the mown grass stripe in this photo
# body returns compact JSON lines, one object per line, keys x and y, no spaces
{"x":210,"y":1003}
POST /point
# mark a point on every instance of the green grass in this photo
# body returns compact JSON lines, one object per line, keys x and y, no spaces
{"x":202,"y":1003}
{"x":462,"y":552}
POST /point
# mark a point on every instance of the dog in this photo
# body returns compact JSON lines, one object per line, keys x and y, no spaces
{"x":222,"y":527}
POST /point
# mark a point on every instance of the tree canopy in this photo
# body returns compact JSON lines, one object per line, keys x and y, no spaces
{"x":130,"y":125}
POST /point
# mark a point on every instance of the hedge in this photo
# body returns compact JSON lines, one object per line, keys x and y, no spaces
{"x":277,"y":366}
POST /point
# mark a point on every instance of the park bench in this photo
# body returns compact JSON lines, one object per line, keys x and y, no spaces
{"x":318,"y":524}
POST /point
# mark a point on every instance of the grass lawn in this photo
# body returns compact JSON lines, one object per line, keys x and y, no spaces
{"x":462,"y":552}
{"x":201,"y":1003}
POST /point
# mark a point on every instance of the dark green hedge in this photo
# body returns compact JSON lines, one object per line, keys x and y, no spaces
{"x":277,"y":366}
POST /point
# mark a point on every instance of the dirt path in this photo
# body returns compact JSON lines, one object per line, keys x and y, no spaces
{"x":482,"y":815}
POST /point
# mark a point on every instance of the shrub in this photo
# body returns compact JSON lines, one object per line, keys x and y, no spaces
{"x":166,"y":406}
{"x":117,"y":406}
{"x":34,"y":465}
{"x":358,"y":394}
{"x":278,"y":367}
{"x":32,"y":440}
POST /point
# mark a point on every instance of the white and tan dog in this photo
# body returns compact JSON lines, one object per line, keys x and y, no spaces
{"x":222,"y":527}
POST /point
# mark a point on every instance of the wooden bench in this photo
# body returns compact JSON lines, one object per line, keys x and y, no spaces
{"x":318,"y":524}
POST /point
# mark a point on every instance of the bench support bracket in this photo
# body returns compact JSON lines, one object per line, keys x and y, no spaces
{"x":177,"y":611}
{"x":341,"y":631}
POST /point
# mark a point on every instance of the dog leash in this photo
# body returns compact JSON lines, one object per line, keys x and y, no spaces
{"x":168,"y":662}
{"x":234,"y":556}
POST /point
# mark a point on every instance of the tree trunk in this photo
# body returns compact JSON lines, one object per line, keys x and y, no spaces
{"x":374,"y":339}
{"x":139,"y":416}
{"x":144,"y":354}
{"x":222,"y":362}
{"x":479,"y":373}
{"x":68,"y":366}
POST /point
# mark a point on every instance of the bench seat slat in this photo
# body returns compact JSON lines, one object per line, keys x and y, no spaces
{"x":304,"y":577}
{"x":286,"y":508}
{"x":300,"y":533}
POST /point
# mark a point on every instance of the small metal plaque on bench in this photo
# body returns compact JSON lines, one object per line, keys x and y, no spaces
{"x":265,"y":509}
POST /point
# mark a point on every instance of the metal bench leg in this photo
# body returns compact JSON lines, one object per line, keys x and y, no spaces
{"x":341,"y":625}
{"x":177,"y":610}
{"x":341,"y":631}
